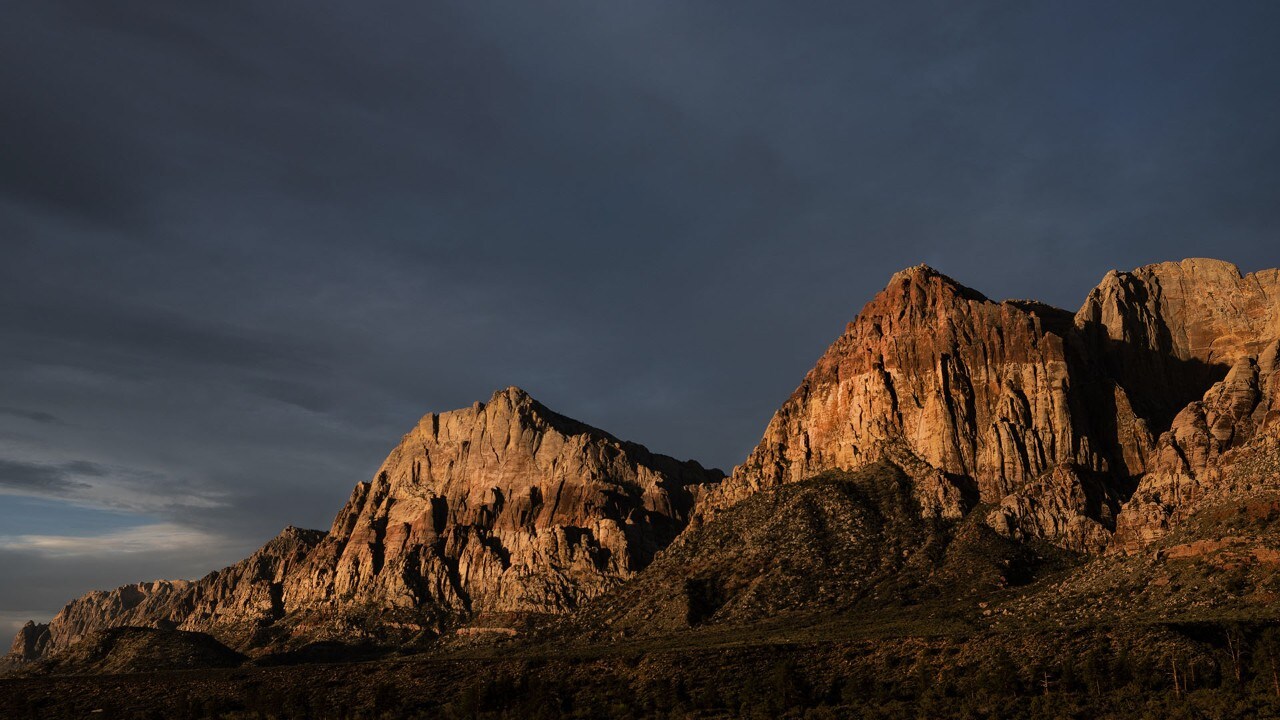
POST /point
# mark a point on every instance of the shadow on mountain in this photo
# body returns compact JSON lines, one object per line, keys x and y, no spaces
{"x":138,"y":650}
{"x":325,"y":652}
{"x":840,"y":544}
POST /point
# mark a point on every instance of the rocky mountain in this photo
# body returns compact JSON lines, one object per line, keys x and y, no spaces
{"x":1050,"y":419}
{"x":503,"y":509}
{"x":946,"y":452}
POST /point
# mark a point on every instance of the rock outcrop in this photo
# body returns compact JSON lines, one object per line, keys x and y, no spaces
{"x":503,"y":508}
{"x":972,"y":387}
{"x":234,"y":603}
{"x":1192,"y":344}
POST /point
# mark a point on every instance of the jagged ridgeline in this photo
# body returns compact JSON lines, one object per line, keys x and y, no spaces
{"x":945,"y":446}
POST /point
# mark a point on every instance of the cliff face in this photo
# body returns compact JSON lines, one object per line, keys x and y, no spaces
{"x":1193,"y":343}
{"x":1166,"y":332}
{"x":501,"y":508}
{"x":505,"y":507}
{"x":979,"y":391}
{"x":31,"y":642}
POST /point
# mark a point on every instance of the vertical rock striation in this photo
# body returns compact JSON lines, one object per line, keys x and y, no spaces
{"x":504,"y":507}
{"x":935,"y":375}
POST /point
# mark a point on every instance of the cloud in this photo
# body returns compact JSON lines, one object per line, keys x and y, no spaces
{"x":105,"y":486}
{"x":32,"y":415}
{"x":45,"y":479}
{"x":11,"y":621}
{"x":166,"y":537}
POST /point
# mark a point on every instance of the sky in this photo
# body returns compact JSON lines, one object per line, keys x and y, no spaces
{"x":247,"y":244}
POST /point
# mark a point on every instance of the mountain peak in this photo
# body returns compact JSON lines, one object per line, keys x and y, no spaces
{"x":512,"y":394}
{"x":924,"y":281}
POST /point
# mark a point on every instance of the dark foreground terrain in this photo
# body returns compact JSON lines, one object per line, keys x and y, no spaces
{"x":1205,"y":670}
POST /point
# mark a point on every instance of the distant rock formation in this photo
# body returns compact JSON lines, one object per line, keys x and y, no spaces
{"x":31,"y":642}
{"x":235,"y":603}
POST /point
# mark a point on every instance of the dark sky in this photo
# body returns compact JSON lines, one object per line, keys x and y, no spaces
{"x":247,"y":244}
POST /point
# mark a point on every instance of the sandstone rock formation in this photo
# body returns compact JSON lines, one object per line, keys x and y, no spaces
{"x":1166,"y":333}
{"x":501,"y":508}
{"x":971,"y":387}
{"x":934,"y":375}
{"x":1051,"y":418}
{"x":234,"y":603}
{"x":504,"y":507}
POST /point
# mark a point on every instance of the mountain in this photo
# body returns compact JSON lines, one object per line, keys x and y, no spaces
{"x":963,"y":494}
{"x":1050,"y":419}
{"x":504,"y":508}
{"x":494,"y":512}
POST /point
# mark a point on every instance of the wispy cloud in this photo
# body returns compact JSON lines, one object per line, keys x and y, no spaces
{"x":158,"y":537}
{"x":43,"y":478}
{"x":32,"y":415}
{"x":105,"y":486}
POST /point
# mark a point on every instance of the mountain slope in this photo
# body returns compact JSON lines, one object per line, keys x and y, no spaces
{"x":839,"y":543}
